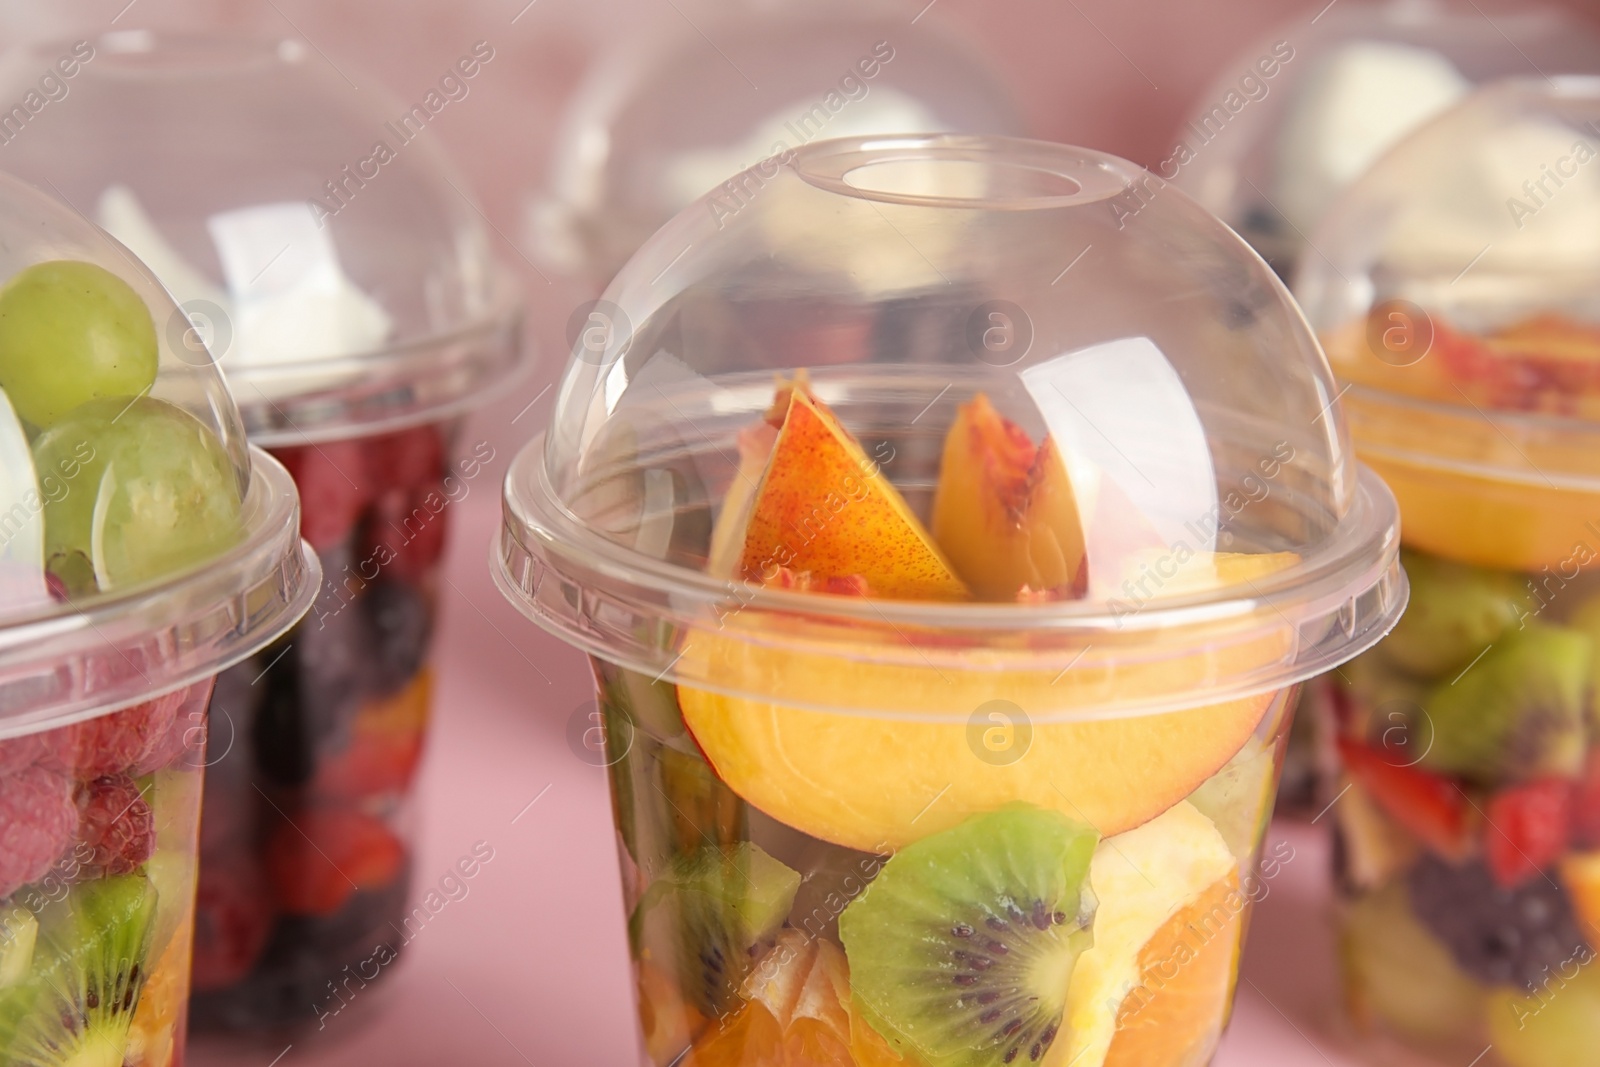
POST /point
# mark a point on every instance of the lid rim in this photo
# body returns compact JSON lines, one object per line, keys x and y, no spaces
{"x":65,"y":667}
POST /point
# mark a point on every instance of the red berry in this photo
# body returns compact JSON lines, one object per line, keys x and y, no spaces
{"x":1586,"y":803}
{"x":335,"y":487}
{"x":19,"y":752}
{"x":37,"y":820}
{"x":232,"y":919}
{"x":412,"y":527}
{"x":1529,"y":827}
{"x":184,"y":742}
{"x":1431,"y":807}
{"x":407,"y":459}
{"x":373,"y":764}
{"x":321,"y":856}
{"x":115,"y":822}
{"x":112,"y":743}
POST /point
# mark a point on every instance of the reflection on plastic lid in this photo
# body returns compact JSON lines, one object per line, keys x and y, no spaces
{"x":1127,"y":426}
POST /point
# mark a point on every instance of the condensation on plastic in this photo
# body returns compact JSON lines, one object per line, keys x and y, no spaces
{"x":315,"y":239}
{"x":1300,"y":113}
{"x":665,"y":116}
{"x":60,"y":662}
{"x":1165,"y":358}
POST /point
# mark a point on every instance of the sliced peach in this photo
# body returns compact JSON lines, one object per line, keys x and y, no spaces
{"x":876,"y":784}
{"x":823,"y":507}
{"x":1004,"y":511}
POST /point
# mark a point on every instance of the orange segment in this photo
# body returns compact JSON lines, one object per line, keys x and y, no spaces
{"x":1174,"y":1017}
{"x":797,"y":1014}
{"x":158,"y":1021}
{"x":824,"y":507}
{"x":1580,"y":875}
{"x":668,"y":1021}
{"x":1005,"y":511}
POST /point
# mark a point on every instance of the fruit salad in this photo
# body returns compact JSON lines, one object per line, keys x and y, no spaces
{"x":809,"y":887}
{"x":99,"y":816}
{"x":305,"y":851}
{"x":1468,"y":815}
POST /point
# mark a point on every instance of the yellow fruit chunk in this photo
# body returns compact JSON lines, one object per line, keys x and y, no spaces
{"x":823,"y":507}
{"x":875,"y":784}
{"x":669,"y":1022}
{"x":1580,"y":874}
{"x":797,"y":1014}
{"x":158,"y":1021}
{"x":1005,"y":511}
{"x":1143,"y":879}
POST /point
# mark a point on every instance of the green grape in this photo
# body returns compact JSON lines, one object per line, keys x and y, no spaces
{"x":71,"y":332}
{"x":150,"y":491}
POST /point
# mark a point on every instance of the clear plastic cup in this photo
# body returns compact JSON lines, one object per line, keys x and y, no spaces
{"x":143,"y":549}
{"x":942,"y":662}
{"x":1299,"y":114}
{"x":669,"y":114}
{"x":318,"y":242}
{"x":1458,"y":306}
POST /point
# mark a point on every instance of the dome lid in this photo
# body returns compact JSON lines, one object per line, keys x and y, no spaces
{"x":1128,"y":353}
{"x":143,"y":544}
{"x":670,"y":113}
{"x":1306,"y":109}
{"x":314,"y":237}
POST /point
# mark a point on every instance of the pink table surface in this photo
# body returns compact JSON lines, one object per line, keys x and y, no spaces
{"x":530,"y":967}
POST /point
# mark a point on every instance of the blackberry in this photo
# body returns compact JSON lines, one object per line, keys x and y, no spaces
{"x":1499,"y":936}
{"x":402,"y":624}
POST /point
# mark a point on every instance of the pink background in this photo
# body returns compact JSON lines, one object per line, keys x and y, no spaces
{"x":529,"y":968}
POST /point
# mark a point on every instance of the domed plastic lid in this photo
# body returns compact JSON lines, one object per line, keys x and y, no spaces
{"x":1300,"y":113}
{"x":313,"y":236}
{"x":1457,"y":289}
{"x":672,"y":113}
{"x":142,"y":544}
{"x":1040,"y":411}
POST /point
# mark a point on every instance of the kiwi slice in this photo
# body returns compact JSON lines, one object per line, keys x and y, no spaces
{"x":962,"y":949}
{"x":1518,"y":712}
{"x":89,"y":967}
{"x":1455,"y":612}
{"x":712,"y":915}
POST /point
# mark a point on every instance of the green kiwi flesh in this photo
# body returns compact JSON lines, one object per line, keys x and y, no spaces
{"x":962,"y":949}
{"x":89,"y":966}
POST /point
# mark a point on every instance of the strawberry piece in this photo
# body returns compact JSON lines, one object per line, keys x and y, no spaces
{"x":335,"y":488}
{"x":114,"y":743}
{"x":1586,"y":803}
{"x":1529,"y":827}
{"x":373,"y":764}
{"x":406,"y":459}
{"x":116,"y":823}
{"x":37,"y":820}
{"x":318,"y":860}
{"x":232,"y":919}
{"x":412,"y":525}
{"x":1431,"y":807}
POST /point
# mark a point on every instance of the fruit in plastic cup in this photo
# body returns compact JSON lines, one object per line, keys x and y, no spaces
{"x":358,"y":320}
{"x":143,"y":548}
{"x":942,"y":683}
{"x":1467,"y":836}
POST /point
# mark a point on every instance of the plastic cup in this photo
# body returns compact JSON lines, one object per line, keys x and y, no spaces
{"x":325,"y":251}
{"x":661,"y":119}
{"x":143,"y":549}
{"x":1467,"y":830}
{"x":930,"y":734}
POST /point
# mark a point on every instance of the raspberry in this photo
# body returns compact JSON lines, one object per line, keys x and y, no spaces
{"x":37,"y":820}
{"x":183,"y":743}
{"x":407,"y":459}
{"x":19,"y":752}
{"x":111,"y":744}
{"x":116,"y":823}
